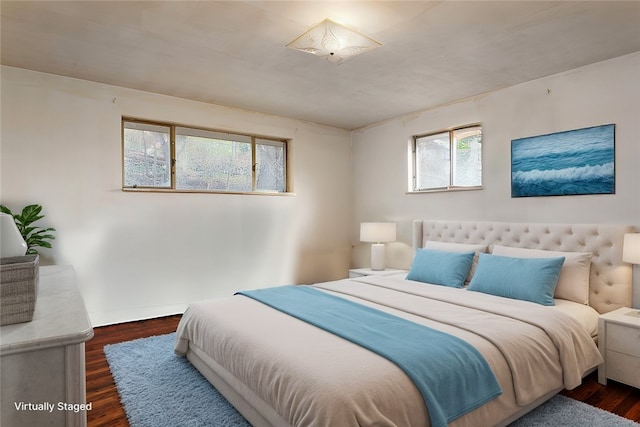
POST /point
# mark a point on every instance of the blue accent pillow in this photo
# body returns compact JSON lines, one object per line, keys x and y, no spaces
{"x":441,"y":267}
{"x":528,"y":279}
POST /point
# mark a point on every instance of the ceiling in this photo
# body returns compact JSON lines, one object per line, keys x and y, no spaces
{"x":233,"y":52}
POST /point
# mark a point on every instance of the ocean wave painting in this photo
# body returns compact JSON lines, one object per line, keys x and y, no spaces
{"x":580,"y":161}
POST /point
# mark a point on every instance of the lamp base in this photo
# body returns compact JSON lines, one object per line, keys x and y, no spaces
{"x":377,"y":256}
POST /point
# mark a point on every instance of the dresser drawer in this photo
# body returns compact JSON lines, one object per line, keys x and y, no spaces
{"x":623,"y":339}
{"x":623,"y":368}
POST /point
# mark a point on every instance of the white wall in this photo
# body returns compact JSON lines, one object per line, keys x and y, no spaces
{"x":141,"y":255}
{"x":602,"y":93}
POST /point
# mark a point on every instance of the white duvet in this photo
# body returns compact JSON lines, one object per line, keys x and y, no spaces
{"x":313,"y":378}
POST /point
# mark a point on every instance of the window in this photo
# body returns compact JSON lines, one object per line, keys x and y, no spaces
{"x":447,"y":160}
{"x":172,"y":157}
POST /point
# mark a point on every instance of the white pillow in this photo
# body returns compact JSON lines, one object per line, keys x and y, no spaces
{"x":573,"y":282}
{"x":458,"y":247}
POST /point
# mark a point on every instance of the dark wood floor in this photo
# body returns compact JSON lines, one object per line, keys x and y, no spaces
{"x":107,"y":410}
{"x":101,"y":390}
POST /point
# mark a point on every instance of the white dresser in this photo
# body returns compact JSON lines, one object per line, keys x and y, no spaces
{"x":619,"y":343}
{"x":42,"y":362}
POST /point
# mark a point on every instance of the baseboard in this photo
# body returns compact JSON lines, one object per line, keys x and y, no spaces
{"x":104,"y":318}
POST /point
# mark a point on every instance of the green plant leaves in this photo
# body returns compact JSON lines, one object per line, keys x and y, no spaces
{"x":33,"y":235}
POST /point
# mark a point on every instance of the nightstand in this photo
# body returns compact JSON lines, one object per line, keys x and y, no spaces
{"x":619,"y":344}
{"x":360,"y":272}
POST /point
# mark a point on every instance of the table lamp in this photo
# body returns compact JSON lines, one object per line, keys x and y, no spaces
{"x":631,"y":248}
{"x":631,"y":253}
{"x":377,"y":233}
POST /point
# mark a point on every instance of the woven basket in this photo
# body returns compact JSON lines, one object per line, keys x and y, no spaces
{"x":19,"y":278}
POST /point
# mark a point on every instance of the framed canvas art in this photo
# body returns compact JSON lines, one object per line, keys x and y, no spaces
{"x":580,"y":161}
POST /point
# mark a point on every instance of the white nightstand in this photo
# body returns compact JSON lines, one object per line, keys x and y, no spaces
{"x":359,"y":272}
{"x":619,"y":344}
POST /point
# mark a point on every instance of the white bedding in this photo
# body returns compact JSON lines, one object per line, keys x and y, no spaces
{"x":313,"y":378}
{"x":586,"y":315}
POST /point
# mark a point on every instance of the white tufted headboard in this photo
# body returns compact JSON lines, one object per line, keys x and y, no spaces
{"x":611,"y":279}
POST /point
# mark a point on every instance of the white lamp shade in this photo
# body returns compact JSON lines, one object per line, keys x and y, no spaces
{"x":12,"y":243}
{"x":377,"y":232}
{"x":631,"y":248}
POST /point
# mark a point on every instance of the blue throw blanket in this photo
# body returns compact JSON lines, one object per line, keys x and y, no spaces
{"x":452,"y":376}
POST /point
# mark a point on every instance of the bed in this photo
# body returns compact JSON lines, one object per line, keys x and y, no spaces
{"x":279,"y":370}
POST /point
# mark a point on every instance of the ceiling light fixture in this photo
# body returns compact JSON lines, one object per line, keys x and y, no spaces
{"x":333,"y":41}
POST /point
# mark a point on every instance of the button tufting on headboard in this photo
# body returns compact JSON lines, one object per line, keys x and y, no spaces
{"x":610,"y":281}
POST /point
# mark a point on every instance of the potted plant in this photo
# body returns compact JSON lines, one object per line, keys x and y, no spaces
{"x":33,"y":235}
{"x":19,"y":275}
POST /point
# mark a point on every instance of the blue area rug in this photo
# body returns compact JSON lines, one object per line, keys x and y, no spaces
{"x":159,"y":388}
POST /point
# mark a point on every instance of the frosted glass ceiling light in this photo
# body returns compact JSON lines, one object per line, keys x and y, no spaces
{"x":333,"y":41}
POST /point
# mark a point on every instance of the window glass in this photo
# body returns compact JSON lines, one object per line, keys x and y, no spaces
{"x":270,"y":166}
{"x":190,"y":159}
{"x":447,"y":160}
{"x":146,"y":155}
{"x":467,"y":151}
{"x":212,"y":161}
{"x":433,"y":161}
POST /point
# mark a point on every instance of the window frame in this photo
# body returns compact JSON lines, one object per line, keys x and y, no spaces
{"x":254,"y":140}
{"x":413,"y":178}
